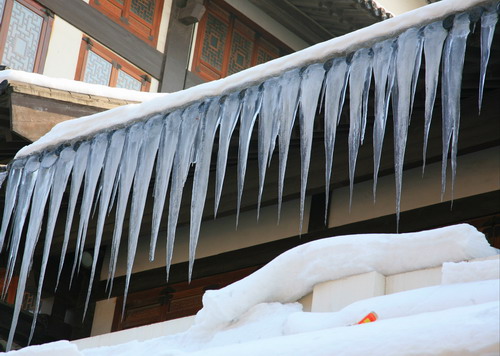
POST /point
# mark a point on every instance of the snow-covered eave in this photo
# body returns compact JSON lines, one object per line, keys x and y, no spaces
{"x":75,"y":130}
{"x":75,"y":86}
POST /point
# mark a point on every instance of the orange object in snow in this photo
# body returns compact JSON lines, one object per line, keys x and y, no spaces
{"x":370,"y":317}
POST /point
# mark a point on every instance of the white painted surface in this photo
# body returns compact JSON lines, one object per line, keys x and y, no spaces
{"x":103,"y":316}
{"x":140,"y":333}
{"x":477,"y":173}
{"x":413,"y":280}
{"x":63,"y":51}
{"x":217,"y":236}
{"x":306,"y":302}
{"x":397,"y":7}
{"x":268,"y":23}
{"x":165,"y":19}
{"x":334,"y":295}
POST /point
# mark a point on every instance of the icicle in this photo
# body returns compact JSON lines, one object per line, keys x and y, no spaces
{"x":434,"y":37}
{"x":416,"y":66}
{"x":127,"y":170}
{"x":360,"y":73}
{"x":63,"y":168}
{"x":267,"y":117}
{"x":250,"y":110}
{"x":44,"y":178}
{"x":405,"y":69}
{"x":290,"y":86}
{"x":45,"y":183}
{"x":15,"y":174}
{"x":230,"y":112}
{"x":147,"y":154}
{"x":383,"y":68}
{"x":3,"y":176}
{"x":453,"y":62}
{"x":310,"y":87}
{"x":187,"y":136}
{"x":26,"y":186}
{"x":79,"y":165}
{"x":168,"y":143}
{"x":208,"y":128}
{"x":488,"y":22}
{"x":94,"y":165}
{"x":335,"y":88}
{"x":366,"y":91}
{"x":110,"y":168}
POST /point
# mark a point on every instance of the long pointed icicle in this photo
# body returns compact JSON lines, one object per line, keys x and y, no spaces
{"x":207,"y":131}
{"x":270,"y":100}
{"x":44,"y":175}
{"x":79,"y":165}
{"x":188,"y":131}
{"x":166,"y":152}
{"x":15,"y":174}
{"x":383,"y":69}
{"x":360,"y":71}
{"x":434,"y":37}
{"x":45,"y":183}
{"x":416,"y":66}
{"x":147,"y":154}
{"x":453,"y":63}
{"x":92,"y":173}
{"x":26,"y":187}
{"x":488,"y":23}
{"x":310,"y":87}
{"x":405,"y":69}
{"x":63,"y":168}
{"x":110,"y":169}
{"x":230,"y":113}
{"x":290,"y":86}
{"x":127,"y":171}
{"x":335,"y":88}
{"x":249,"y":111}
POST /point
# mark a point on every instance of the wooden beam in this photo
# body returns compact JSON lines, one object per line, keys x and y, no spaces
{"x":96,"y":25}
{"x":294,"y":20}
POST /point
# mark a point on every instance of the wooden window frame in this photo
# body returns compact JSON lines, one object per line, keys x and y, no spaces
{"x":116,"y":61}
{"x":127,"y":19}
{"x":43,"y":43}
{"x":226,"y":13}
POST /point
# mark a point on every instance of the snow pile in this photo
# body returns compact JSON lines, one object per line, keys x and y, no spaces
{"x":77,"y":86}
{"x":470,"y":271}
{"x":54,"y":348}
{"x":397,"y":305}
{"x":339,"y":257}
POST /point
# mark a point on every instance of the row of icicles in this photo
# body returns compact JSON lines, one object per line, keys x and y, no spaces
{"x":112,"y":164}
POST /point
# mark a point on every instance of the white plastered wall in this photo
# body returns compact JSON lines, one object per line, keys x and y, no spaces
{"x":63,"y":51}
{"x":477,"y":173}
{"x":397,"y":7}
{"x":217,"y":236}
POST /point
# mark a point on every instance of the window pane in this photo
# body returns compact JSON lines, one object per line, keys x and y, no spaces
{"x":2,"y":5}
{"x":22,"y":38}
{"x":145,"y":9}
{"x":241,"y":53}
{"x":128,"y":82}
{"x":97,"y":69}
{"x":214,"y":42}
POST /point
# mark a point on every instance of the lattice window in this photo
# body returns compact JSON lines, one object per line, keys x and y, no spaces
{"x":141,"y":17}
{"x":99,"y":65}
{"x":228,"y":42}
{"x":24,"y":34}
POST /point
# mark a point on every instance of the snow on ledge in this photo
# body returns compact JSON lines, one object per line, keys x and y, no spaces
{"x":83,"y":127}
{"x":294,"y":273}
{"x":77,"y":86}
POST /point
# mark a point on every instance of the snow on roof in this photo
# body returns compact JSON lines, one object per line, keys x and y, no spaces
{"x":76,"y":86}
{"x":256,"y":316}
{"x":365,"y":37}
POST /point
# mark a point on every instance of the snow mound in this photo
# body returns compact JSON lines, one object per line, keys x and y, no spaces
{"x":294,"y":273}
{"x":397,"y":305}
{"x":470,"y":271}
